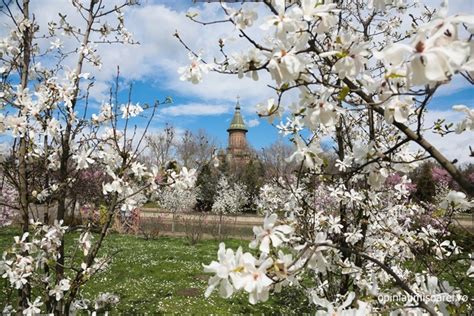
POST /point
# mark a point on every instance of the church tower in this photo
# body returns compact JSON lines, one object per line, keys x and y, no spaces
{"x":237,"y":150}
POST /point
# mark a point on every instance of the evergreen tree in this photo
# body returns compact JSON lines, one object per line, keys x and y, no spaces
{"x":207,"y":185}
{"x":425,"y":184}
{"x":252,"y":176}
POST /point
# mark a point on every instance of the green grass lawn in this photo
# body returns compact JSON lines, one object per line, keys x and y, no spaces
{"x":162,"y":275}
{"x":165,"y":275}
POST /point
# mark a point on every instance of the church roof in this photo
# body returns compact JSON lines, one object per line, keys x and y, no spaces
{"x":237,"y":121}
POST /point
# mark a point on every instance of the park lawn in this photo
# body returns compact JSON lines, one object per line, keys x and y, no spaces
{"x":162,"y":275}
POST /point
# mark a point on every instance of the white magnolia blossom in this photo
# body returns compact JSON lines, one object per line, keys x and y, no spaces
{"x":285,"y":65}
{"x":271,"y":199}
{"x":130,"y":110}
{"x":324,"y":14}
{"x":283,"y":22}
{"x":470,"y":271}
{"x":322,"y":110}
{"x":85,"y":242}
{"x":456,"y":200}
{"x":83,"y":158}
{"x":270,"y":234}
{"x":243,"y":18}
{"x":104,"y":115}
{"x":239,"y":271}
{"x":195,"y":71}
{"x":363,"y":152}
{"x":257,"y":283}
{"x":59,"y":289}
{"x":185,"y":179}
{"x":33,"y":307}
{"x":138,"y":169}
{"x":115,"y":186}
{"x":17,"y":125}
{"x":377,"y":178}
{"x":248,"y":63}
{"x":227,"y":270}
{"x":467,"y":124}
{"x":397,"y":110}
{"x":351,"y":53}
{"x":429,"y":57}
{"x":306,"y":153}
{"x":53,"y":128}
{"x":270,"y":110}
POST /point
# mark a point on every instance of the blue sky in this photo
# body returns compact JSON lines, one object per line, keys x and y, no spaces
{"x":146,"y":91}
{"x":219,"y":91}
{"x":152,"y":68}
{"x":446,"y":100}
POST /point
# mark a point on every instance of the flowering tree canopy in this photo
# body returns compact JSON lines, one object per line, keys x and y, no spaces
{"x":55,"y":141}
{"x":230,"y":198}
{"x":180,"y":193}
{"x":360,"y":74}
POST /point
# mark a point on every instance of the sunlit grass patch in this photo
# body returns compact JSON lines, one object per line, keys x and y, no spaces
{"x":159,"y":275}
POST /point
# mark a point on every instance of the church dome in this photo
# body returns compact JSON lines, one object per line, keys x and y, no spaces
{"x":237,"y":123}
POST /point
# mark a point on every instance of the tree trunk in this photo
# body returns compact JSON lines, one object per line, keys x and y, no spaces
{"x":66,"y":139}
{"x":22,"y":152}
{"x":66,"y":149}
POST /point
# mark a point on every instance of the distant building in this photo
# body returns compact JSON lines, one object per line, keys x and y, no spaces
{"x":240,"y":162}
{"x":238,"y":152}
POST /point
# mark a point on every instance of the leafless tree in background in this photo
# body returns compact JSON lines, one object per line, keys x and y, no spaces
{"x":161,"y":146}
{"x":194,"y":149}
{"x":273,"y":157}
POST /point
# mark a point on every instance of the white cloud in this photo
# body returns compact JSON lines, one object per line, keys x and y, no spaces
{"x":453,"y":146}
{"x":160,"y":54}
{"x":253,"y":123}
{"x":455,"y":6}
{"x":195,"y":109}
